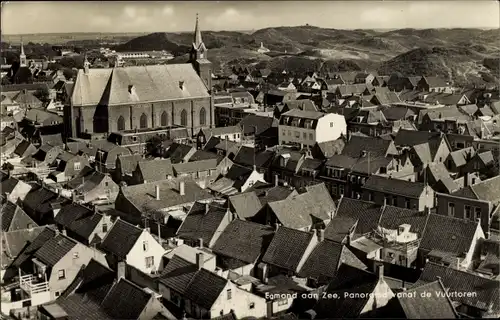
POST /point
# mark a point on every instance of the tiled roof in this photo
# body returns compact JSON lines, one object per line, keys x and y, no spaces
{"x":244,"y":241}
{"x":326,"y":258}
{"x":218,"y":131}
{"x":460,"y":156}
{"x":204,"y":155}
{"x":367,"y":213}
{"x":305,"y":104}
{"x":246,"y":156}
{"x":80,"y":307}
{"x":395,"y":186}
{"x":287,"y":248}
{"x":16,"y":240}
{"x":486,"y":290}
{"x":245,"y":205}
{"x":393,"y":217}
{"x":178,"y":273}
{"x":205,"y":288}
{"x":86,"y":181}
{"x":143,"y":196}
{"x":441,"y":174}
{"x":447,"y":234}
{"x":121,"y":238}
{"x":428,"y":301}
{"x":94,"y":281}
{"x":339,"y":228}
{"x":397,"y":113}
{"x":374,"y":146}
{"x":14,"y":218}
{"x":202,"y":223}
{"x":434,"y":82}
{"x":177,"y":152}
{"x":55,"y":249}
{"x":38,"y":200}
{"x":488,"y":190}
{"x":32,"y":248}
{"x":329,"y":148}
{"x":155,"y":170}
{"x":129,"y":162}
{"x":150,"y":83}
{"x":261,"y":124}
{"x":271,"y":193}
{"x":78,"y":219}
{"x":305,"y":209}
{"x":304,"y":114}
{"x":125,"y":300}
{"x":194,"y":166}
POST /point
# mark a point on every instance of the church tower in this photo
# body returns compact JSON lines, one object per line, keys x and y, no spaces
{"x":22,"y":56}
{"x":198,"y":57}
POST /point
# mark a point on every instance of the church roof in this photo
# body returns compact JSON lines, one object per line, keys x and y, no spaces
{"x":137,"y":84}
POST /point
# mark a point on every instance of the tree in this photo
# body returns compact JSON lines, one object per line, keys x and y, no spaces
{"x":42,"y":94}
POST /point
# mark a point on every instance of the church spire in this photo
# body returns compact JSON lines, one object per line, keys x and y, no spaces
{"x":22,"y":56}
{"x":197,"y":34}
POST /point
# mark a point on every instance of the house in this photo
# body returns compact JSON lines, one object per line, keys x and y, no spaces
{"x":449,"y":241}
{"x":482,"y":303}
{"x":274,"y":97}
{"x":148,"y":171}
{"x":91,"y":186}
{"x":135,"y":246}
{"x":440,"y":180}
{"x":96,"y":295}
{"x":38,"y":204}
{"x":367,"y":214}
{"x":348,"y":77}
{"x":14,"y":189}
{"x":46,"y":155}
{"x":237,"y":179}
{"x":271,"y":192}
{"x":25,"y":149}
{"x":472,"y":203}
{"x":380,"y":81}
{"x":231,"y":133}
{"x":179,"y":152}
{"x":204,"y":224}
{"x":259,"y":129}
{"x":399,"y":193}
{"x":185,"y":284}
{"x":106,"y":155}
{"x":306,"y":128}
{"x":287,"y":86}
{"x":288,"y":251}
{"x":14,"y":218}
{"x":434,"y":84}
{"x":248,"y":157}
{"x":303,"y":104}
{"x":341,"y":229}
{"x":241,"y":245}
{"x":348,"y":90}
{"x":488,"y":261}
{"x":126,"y":165}
{"x":204,"y":172}
{"x":165,"y":198}
{"x":69,"y":166}
{"x":27,"y":100}
{"x":83,"y":224}
{"x":306,"y":211}
{"x":353,"y":291}
{"x":40,"y":117}
{"x":482,"y":162}
{"x":244,"y":205}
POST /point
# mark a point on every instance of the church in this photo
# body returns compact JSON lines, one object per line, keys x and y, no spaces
{"x":142,"y":97}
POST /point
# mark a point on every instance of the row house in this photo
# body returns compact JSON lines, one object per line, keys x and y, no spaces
{"x":93,"y":186}
{"x":69,"y":166}
{"x":473,"y":203}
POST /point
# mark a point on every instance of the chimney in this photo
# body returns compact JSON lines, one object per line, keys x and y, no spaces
{"x":276,"y":180}
{"x":64,"y":232}
{"x":182,"y":188}
{"x":73,"y":196}
{"x":385,"y":200}
{"x":380,"y":271}
{"x":200,"y":242}
{"x":121,"y":269}
{"x":157,"y":189}
{"x":181,"y":85}
{"x":200,"y":260}
{"x":7,"y":195}
{"x":207,"y":207}
{"x":320,"y":233}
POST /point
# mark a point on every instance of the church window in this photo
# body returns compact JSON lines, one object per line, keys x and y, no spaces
{"x":203,"y":117}
{"x":143,"y":121}
{"x":164,"y":119}
{"x":184,"y":118}
{"x":121,"y":123}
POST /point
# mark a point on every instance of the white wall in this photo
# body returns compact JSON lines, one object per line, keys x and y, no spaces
{"x":137,"y":256}
{"x":252,"y":179}
{"x":382,"y":295}
{"x":330,"y":127}
{"x":20,"y":191}
{"x":240,"y":303}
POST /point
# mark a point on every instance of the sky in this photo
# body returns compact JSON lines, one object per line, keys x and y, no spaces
{"x":24,"y":17}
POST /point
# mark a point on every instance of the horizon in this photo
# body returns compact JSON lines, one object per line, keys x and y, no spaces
{"x":245,"y":16}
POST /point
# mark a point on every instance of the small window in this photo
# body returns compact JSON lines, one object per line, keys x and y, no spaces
{"x":468,"y":212}
{"x":252,"y":305}
{"x":370,"y":196}
{"x":229,"y":294}
{"x":30,"y":226}
{"x":61,"y":274}
{"x":341,"y":189}
{"x":145,"y":245}
{"x":451,"y":209}
{"x":77,"y":166}
{"x":477,"y":212}
{"x":58,"y":294}
{"x":331,"y":124}
{"x":76,"y":255}
{"x":104,"y":227}
{"x":134,"y":138}
{"x":407,"y":203}
{"x":150,"y":261}
{"x":394,"y":201}
{"x":304,"y":135}
{"x":106,"y":183}
{"x":311,"y":137}
{"x":282,"y":302}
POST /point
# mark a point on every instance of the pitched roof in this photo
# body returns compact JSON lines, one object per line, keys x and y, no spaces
{"x":16,"y":240}
{"x":38,"y":200}
{"x":205,"y":288}
{"x":94,"y":281}
{"x":178,"y":151}
{"x":448,"y":235}
{"x":395,"y":186}
{"x":428,"y":301}
{"x":178,"y":273}
{"x":78,"y":219}
{"x":128,"y":162}
{"x":304,"y":209}
{"x":143,"y":196}
{"x":155,"y":170}
{"x":194,"y":166}
{"x":287,"y":248}
{"x":434,"y":82}
{"x":367,"y":213}
{"x":487,"y":190}
{"x":457,"y":281}
{"x":245,"y":205}
{"x":202,"y":221}
{"x":326,"y":258}
{"x":257,"y":124}
{"x":43,"y":237}
{"x":375,"y":146}
{"x":125,"y":300}
{"x":121,"y":238}
{"x":244,"y":241}
{"x":55,"y":249}
{"x":329,"y":148}
{"x":412,"y":137}
{"x":246,"y":156}
{"x":305,"y":104}
{"x":267,"y":192}
{"x":392,"y":217}
{"x":339,"y":228}
{"x":150,"y":83}
{"x":218,"y":131}
{"x":14,"y":218}
{"x":86,"y":181}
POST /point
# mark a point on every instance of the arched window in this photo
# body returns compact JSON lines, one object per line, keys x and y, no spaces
{"x":164,"y":119}
{"x":184,"y":118}
{"x":203,"y":117}
{"x":121,"y":123}
{"x":144,"y":121}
